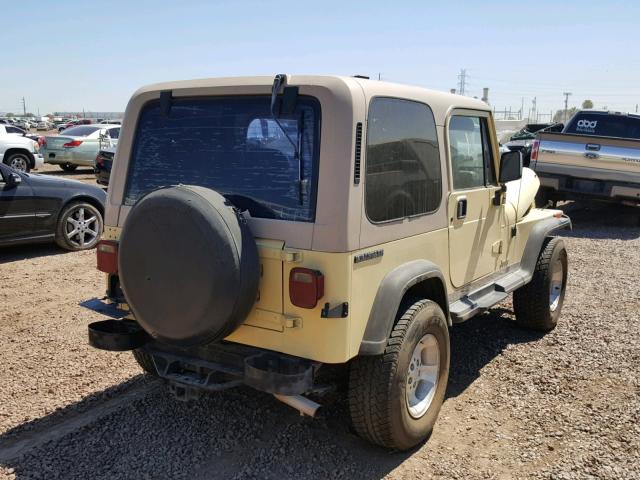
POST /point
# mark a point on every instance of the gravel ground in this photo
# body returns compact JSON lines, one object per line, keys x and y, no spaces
{"x":519,"y":405}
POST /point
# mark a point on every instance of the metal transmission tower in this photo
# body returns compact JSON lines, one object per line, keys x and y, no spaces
{"x":24,"y":107}
{"x":462,"y":81}
{"x":566,"y":104}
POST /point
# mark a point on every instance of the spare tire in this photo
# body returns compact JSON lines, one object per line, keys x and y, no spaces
{"x":188,"y":265}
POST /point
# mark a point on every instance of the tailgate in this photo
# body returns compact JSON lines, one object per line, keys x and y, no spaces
{"x":585,"y":151}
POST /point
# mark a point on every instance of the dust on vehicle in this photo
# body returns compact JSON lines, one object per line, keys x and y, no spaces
{"x":260,"y":228}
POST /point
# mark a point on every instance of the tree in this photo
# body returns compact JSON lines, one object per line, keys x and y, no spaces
{"x":9,"y":115}
{"x":587,"y":104}
{"x":559,"y":115}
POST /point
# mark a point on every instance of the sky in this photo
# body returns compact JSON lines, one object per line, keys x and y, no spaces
{"x":74,"y":55}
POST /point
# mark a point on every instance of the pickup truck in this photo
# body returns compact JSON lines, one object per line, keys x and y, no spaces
{"x":18,"y":151}
{"x":597,"y":156}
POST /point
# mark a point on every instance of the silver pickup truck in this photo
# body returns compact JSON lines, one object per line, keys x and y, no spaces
{"x":596,"y":156}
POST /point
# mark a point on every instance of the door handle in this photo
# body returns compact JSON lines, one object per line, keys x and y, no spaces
{"x":592,"y":155}
{"x":461,"y":208}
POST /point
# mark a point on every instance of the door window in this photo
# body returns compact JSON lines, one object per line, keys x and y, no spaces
{"x":471,"y":153}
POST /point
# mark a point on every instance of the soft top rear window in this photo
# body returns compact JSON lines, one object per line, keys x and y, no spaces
{"x":233,"y":145}
{"x":605,"y":125}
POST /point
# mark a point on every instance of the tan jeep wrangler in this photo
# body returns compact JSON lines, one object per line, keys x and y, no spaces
{"x":259,"y":228}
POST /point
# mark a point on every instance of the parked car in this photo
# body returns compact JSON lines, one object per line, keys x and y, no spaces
{"x":24,"y":124}
{"x":597,"y":156}
{"x":42,"y":208}
{"x":245,"y":259}
{"x":522,"y":140}
{"x":43,"y":126}
{"x":111,"y":121}
{"x":104,"y":162}
{"x":11,"y":130}
{"x":18,"y":151}
{"x":79,"y":145}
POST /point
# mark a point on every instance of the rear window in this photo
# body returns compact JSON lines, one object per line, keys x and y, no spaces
{"x":80,"y":131}
{"x":620,"y":126}
{"x":234,"y":146}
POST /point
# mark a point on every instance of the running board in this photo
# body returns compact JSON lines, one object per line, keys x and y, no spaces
{"x":487,"y":296}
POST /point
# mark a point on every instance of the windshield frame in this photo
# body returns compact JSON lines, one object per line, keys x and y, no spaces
{"x":311,"y":176}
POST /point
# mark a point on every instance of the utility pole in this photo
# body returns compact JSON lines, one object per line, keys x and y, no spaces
{"x":462,"y":81}
{"x":534,"y":111}
{"x":24,"y":108}
{"x":566,"y":105}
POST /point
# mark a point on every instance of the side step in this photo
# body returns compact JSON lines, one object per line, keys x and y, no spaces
{"x":486,"y":297}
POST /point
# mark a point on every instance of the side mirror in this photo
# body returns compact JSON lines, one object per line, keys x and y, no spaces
{"x":510,"y":167}
{"x":13,"y":180}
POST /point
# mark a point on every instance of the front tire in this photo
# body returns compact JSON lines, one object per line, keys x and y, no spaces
{"x":395,"y":398}
{"x":79,"y":227}
{"x":537,"y":305}
{"x":19,"y":161}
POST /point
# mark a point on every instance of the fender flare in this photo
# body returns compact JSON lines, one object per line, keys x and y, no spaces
{"x":539,"y":233}
{"x":390,"y":293}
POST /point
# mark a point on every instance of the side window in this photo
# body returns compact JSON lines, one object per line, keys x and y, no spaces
{"x":471,"y":153}
{"x":114,"y":133}
{"x":13,"y":130}
{"x":403,"y":176}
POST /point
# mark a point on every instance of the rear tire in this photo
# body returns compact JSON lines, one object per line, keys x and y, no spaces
{"x":68,"y":167}
{"x":391,"y":401}
{"x":537,"y":305}
{"x":145,"y":361}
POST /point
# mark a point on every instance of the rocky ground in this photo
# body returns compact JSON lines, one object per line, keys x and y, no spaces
{"x":519,"y":405}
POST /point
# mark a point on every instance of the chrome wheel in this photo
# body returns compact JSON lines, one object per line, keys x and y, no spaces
{"x":19,"y":162}
{"x":422,"y":377}
{"x":556,"y":284}
{"x":82,"y":227}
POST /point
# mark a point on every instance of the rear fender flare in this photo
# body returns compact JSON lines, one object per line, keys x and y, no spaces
{"x":388,"y":299}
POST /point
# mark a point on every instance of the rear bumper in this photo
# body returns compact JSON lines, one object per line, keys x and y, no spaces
{"x":38,"y":160}
{"x":59,"y":157}
{"x":211,"y":367}
{"x":572,"y":183}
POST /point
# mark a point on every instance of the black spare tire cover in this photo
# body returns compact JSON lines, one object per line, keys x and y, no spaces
{"x":188,"y":265}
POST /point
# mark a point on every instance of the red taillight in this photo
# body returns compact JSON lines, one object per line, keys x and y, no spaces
{"x":107,"y":253}
{"x":99,"y":160}
{"x":306,"y":287}
{"x":42,"y":141}
{"x":534,"y":149}
{"x":73,"y":143}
